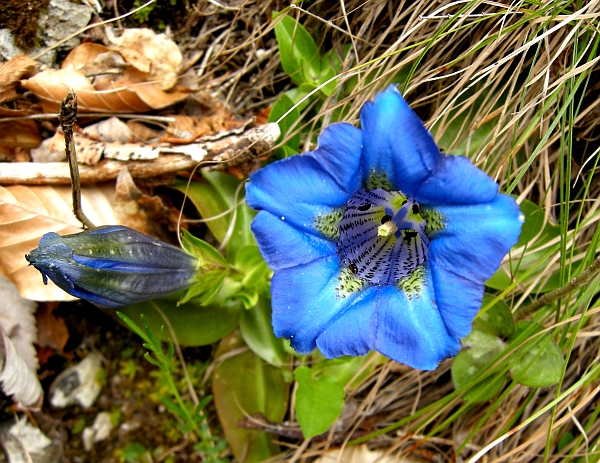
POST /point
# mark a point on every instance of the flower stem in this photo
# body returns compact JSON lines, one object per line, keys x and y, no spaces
{"x":580,"y":280}
{"x":67,"y":117}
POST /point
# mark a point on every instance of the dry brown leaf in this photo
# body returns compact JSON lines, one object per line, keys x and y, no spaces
{"x":52,"y":330}
{"x":151,"y":53}
{"x":11,"y":73}
{"x":26,"y":213}
{"x":20,"y":134}
{"x":93,"y":58}
{"x":141,"y":212}
{"x":51,"y":86}
{"x":110,"y":130}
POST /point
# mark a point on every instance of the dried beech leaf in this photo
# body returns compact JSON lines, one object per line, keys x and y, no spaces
{"x":152,"y":53}
{"x":83,"y":55}
{"x":26,"y":213}
{"x":11,"y":73}
{"x":52,"y":330}
{"x":110,"y":130}
{"x":52,"y":85}
{"x":141,"y":212}
{"x":19,"y":358}
{"x":19,"y":134}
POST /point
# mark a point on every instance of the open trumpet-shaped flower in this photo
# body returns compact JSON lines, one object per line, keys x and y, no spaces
{"x":113,"y":266}
{"x":379,"y":241}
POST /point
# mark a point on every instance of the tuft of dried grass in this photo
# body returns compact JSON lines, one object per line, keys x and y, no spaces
{"x":529,"y":68}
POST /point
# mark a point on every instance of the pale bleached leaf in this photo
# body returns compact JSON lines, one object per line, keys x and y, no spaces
{"x":17,"y":379}
{"x":17,"y":318}
{"x":27,"y":213}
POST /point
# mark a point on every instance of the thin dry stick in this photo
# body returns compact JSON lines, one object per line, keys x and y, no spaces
{"x":580,"y":280}
{"x":67,"y":117}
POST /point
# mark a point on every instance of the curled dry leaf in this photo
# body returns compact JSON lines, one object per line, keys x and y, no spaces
{"x":155,"y":54}
{"x":146,"y":214}
{"x":18,"y":356}
{"x":26,"y":213}
{"x":11,"y":73}
{"x":123,"y":96}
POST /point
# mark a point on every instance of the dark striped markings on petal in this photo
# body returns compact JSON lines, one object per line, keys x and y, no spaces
{"x":382,"y":236}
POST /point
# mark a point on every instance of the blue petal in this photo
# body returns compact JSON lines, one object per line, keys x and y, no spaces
{"x":396,"y":142}
{"x":283,"y":245}
{"x":305,"y":301}
{"x":339,"y":152}
{"x":297,"y":189}
{"x":466,"y":252}
{"x":457,"y":181}
{"x":352,"y":333}
{"x":408,"y":330}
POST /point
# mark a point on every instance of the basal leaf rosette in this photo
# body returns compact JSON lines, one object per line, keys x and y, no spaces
{"x":378,"y":241}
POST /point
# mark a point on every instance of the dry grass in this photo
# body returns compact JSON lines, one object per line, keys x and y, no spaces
{"x":529,"y":68}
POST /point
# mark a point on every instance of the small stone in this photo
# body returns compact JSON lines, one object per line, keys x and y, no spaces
{"x":98,"y":432}
{"x":77,"y":384}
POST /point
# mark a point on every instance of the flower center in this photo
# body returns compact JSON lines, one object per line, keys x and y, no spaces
{"x":382,"y":236}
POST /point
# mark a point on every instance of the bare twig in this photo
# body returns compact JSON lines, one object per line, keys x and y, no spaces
{"x":67,"y":117}
{"x":575,"y":283}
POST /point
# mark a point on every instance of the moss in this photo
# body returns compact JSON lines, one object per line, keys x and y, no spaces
{"x":22,"y":19}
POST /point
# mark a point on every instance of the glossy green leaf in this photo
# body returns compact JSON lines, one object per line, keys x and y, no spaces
{"x":206,"y":253}
{"x":193,"y":324}
{"x":217,"y":195}
{"x":480,"y":350}
{"x":538,"y":363}
{"x":289,"y":124}
{"x":244,"y":385}
{"x":297,"y":50}
{"x":255,"y":326}
{"x":346,"y":369}
{"x":319,"y":401}
{"x":331,"y":66}
{"x":208,"y":286}
{"x":250,"y":262}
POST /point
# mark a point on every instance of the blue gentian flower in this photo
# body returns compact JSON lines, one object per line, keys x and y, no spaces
{"x":379,"y":241}
{"x":113,"y":266}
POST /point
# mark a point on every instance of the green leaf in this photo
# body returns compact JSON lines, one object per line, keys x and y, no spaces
{"x":344,"y":369}
{"x":289,"y":123}
{"x":497,"y":320}
{"x":319,"y":401}
{"x":208,"y":287}
{"x":539,"y":363}
{"x":297,"y":50}
{"x":331,"y":65}
{"x":250,"y":262}
{"x":202,"y":250}
{"x":481,"y":349}
{"x":255,"y":326}
{"x":193,"y":324}
{"x":217,"y":195}
{"x":244,"y":385}
{"x":536,"y":235}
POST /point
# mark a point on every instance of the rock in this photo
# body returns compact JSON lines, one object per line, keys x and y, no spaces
{"x":77,"y":384}
{"x":98,"y":432}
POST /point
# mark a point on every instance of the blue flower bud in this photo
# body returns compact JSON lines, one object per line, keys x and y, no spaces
{"x":113,"y":266}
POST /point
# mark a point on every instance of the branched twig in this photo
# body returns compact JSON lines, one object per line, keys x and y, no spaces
{"x":67,"y":117}
{"x":575,"y":283}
